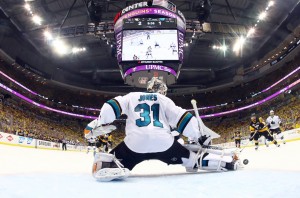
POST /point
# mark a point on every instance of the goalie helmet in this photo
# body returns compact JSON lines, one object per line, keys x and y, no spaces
{"x":156,"y":85}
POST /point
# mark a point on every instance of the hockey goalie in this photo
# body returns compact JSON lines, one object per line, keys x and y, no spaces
{"x":148,"y":136}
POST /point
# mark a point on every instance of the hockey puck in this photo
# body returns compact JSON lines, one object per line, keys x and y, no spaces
{"x":245,"y":161}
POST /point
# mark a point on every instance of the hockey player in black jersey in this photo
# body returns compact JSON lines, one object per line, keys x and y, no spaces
{"x":258,"y":128}
{"x":237,"y":138}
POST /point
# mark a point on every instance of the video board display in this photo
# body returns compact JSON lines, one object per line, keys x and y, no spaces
{"x":150,"y":45}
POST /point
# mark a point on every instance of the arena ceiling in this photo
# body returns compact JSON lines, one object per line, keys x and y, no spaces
{"x":97,"y":67}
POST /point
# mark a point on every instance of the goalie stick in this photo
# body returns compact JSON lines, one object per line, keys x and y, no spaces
{"x":202,"y":128}
{"x":212,"y":149}
{"x":249,"y":140}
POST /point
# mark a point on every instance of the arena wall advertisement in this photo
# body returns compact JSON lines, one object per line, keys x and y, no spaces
{"x":15,"y":140}
{"x":10,"y":139}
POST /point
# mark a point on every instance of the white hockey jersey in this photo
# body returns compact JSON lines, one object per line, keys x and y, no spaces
{"x":92,"y":140}
{"x":274,"y":122}
{"x":150,"y":116}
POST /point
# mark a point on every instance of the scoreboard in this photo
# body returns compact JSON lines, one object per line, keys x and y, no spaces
{"x":149,"y":42}
{"x":149,"y":23}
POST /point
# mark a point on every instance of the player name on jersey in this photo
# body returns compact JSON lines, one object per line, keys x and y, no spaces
{"x":150,"y":97}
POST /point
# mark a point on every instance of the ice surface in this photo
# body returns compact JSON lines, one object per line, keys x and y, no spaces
{"x":26,"y":172}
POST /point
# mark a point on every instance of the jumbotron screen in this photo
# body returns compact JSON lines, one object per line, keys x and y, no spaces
{"x":150,"y":45}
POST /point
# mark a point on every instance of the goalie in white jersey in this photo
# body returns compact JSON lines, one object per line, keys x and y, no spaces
{"x":148,"y":136}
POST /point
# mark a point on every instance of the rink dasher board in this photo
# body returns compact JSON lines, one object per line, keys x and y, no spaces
{"x":290,"y":135}
{"x":15,"y":140}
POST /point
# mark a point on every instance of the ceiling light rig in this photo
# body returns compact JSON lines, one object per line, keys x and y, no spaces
{"x":240,"y":41}
{"x":27,"y":7}
{"x":221,"y":47}
{"x":238,"y":45}
{"x":251,"y":32}
{"x":262,"y":16}
{"x":76,"y":50}
{"x":273,"y":58}
{"x":60,"y":47}
{"x":35,"y":18}
{"x":48,"y":35}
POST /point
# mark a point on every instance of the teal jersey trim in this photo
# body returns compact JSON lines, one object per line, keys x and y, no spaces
{"x":116,"y":107}
{"x":183,"y":121}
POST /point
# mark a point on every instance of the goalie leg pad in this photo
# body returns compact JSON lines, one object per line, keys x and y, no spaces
{"x":189,"y":163}
{"x":106,"y":168}
{"x":216,"y":160}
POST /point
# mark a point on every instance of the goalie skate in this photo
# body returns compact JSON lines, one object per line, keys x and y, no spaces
{"x":109,"y":174}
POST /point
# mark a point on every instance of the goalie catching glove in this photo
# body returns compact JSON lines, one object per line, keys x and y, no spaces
{"x":95,"y":129}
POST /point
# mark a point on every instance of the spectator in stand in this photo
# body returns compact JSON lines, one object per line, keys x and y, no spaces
{"x":297,"y":125}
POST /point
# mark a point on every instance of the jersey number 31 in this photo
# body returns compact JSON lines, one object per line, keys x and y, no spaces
{"x":146,"y":115}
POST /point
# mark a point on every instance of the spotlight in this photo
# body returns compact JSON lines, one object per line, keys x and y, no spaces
{"x":60,"y":47}
{"x":37,"y":19}
{"x":271,"y":3}
{"x":262,"y":16}
{"x":48,"y":35}
{"x":27,"y":7}
{"x":223,"y":48}
{"x":75,"y":50}
{"x":239,"y":44}
{"x":250,"y":32}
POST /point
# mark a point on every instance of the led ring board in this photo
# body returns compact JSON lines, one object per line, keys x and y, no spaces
{"x":151,"y":38}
